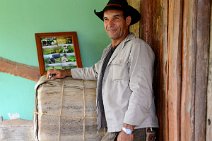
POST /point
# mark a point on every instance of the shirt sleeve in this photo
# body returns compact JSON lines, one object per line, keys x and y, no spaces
{"x":141,"y":77}
{"x":88,"y":73}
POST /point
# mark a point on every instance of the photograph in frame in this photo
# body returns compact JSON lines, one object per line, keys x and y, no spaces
{"x":57,"y":50}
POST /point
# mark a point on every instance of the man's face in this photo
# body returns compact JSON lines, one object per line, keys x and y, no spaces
{"x":115,"y":24}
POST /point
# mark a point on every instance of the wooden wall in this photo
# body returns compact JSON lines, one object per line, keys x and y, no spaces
{"x":209,"y":96}
{"x":179,"y":33}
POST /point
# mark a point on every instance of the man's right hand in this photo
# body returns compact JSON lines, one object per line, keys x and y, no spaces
{"x":53,"y":74}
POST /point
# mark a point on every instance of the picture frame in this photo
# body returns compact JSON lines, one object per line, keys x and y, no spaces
{"x":57,"y":50}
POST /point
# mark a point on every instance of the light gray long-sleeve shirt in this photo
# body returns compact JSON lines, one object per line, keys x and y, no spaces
{"x":127,"y":84}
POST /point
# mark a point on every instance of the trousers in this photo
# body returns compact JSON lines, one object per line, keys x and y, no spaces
{"x":143,"y":134}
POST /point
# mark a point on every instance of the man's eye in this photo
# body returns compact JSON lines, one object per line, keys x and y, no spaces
{"x":117,"y":18}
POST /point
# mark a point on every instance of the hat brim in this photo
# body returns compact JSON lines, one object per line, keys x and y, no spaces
{"x":135,"y":15}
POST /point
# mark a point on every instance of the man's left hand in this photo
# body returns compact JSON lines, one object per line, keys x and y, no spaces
{"x":122,"y":136}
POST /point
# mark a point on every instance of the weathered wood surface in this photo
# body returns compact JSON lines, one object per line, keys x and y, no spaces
{"x":154,"y":32}
{"x":180,"y":40}
{"x":18,"y":69}
{"x":135,"y":28}
{"x":16,"y":130}
{"x":188,"y":71}
{"x":174,"y":68}
{"x":66,"y":110}
{"x":209,"y":91}
{"x":202,"y":57}
{"x":146,"y":24}
{"x":159,"y":10}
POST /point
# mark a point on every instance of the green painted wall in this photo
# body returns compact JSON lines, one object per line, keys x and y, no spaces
{"x":20,"y":19}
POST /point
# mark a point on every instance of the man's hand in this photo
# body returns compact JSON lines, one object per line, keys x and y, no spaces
{"x":53,"y":74}
{"x":122,"y":136}
{"x":125,"y":137}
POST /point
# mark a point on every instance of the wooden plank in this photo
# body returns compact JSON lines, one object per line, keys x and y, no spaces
{"x":203,"y":41}
{"x":146,"y":23}
{"x":164,"y":54}
{"x":18,"y":69}
{"x":164,"y":61}
{"x":209,"y":91}
{"x":158,"y":37}
{"x":188,"y":71}
{"x":174,"y":68}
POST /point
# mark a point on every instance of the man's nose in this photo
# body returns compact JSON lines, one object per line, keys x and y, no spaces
{"x":110,"y":22}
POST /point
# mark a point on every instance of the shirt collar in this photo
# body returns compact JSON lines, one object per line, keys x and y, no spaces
{"x":129,"y":37}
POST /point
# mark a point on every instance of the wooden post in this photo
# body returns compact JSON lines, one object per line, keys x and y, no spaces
{"x":146,"y":24}
{"x":188,"y":71}
{"x":155,"y":31}
{"x":174,"y":68}
{"x":203,"y":42}
{"x":209,"y":92}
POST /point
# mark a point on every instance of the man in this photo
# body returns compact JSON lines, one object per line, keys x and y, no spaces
{"x":64,"y":58}
{"x":125,"y":103}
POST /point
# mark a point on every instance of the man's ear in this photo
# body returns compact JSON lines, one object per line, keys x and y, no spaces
{"x":128,"y":20}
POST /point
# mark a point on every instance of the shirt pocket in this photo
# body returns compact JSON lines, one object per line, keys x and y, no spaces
{"x":119,"y":70}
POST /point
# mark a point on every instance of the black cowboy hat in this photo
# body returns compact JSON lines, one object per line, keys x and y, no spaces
{"x":120,"y":5}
